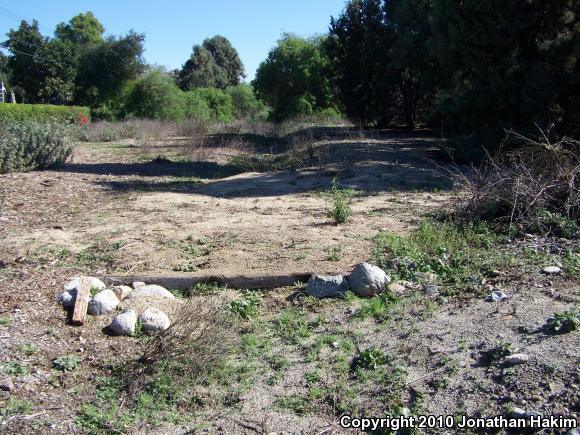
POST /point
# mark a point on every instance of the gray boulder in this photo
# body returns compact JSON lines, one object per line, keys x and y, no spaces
{"x":136,"y":284}
{"x":327,"y":286}
{"x":124,"y":323}
{"x":151,"y":290}
{"x":368,"y":280}
{"x":153,"y":320}
{"x":103,"y":302}
{"x":96,"y":284}
{"x":67,"y":298}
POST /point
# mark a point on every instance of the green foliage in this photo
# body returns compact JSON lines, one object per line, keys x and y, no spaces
{"x":43,"y":113}
{"x":547,"y":222}
{"x":81,"y":29}
{"x":214,"y":64}
{"x":156,"y":96}
{"x":293,"y":79}
{"x":245,"y":103}
{"x":219,"y":102}
{"x":6,"y":321}
{"x":370,"y":359}
{"x":455,"y":254}
{"x":32,"y":145}
{"x":13,"y":368}
{"x":340,"y":211}
{"x":379,"y":307}
{"x":66,"y":363}
{"x":247,"y":307}
{"x":564,"y":322}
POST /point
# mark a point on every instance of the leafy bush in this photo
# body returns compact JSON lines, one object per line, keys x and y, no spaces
{"x":44,"y":113}
{"x":370,"y":359}
{"x":245,"y":103}
{"x":32,"y":145}
{"x":219,"y":102}
{"x":341,"y":209}
{"x":246,"y":308}
{"x":196,"y":107}
{"x":155,"y":95}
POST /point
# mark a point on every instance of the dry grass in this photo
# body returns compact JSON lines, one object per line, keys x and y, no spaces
{"x":525,"y":185}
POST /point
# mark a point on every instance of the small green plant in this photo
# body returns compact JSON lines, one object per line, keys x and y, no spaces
{"x":340,"y":211}
{"x":501,"y":349}
{"x":369,"y":359}
{"x":13,"y":368}
{"x":334,"y":253}
{"x":6,"y":321}
{"x":66,"y":363}
{"x":28,"y":349}
{"x":564,"y":322}
{"x":247,"y":307}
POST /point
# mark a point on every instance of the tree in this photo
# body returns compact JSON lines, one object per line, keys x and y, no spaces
{"x":245,"y":103}
{"x":4,"y":70}
{"x":215,"y":63}
{"x":104,"y":69}
{"x":59,"y":62}
{"x":154,"y":95}
{"x":506,"y":64}
{"x":81,"y":29}
{"x":25,"y":44}
{"x":293,"y":80}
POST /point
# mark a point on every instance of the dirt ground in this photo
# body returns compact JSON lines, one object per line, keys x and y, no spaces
{"x":115,"y":209}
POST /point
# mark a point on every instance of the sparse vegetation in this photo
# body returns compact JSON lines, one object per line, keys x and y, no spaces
{"x":565,"y":321}
{"x":66,"y":363}
{"x":340,"y":211}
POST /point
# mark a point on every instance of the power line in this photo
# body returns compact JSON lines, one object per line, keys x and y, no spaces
{"x":17,"y":17}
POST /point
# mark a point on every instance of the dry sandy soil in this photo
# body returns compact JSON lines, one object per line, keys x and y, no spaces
{"x":114,"y":209}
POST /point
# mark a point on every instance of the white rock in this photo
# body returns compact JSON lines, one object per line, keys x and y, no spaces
{"x":498,"y":295}
{"x":367,"y":279}
{"x":551,"y":270}
{"x":150,"y":290}
{"x":136,"y":284}
{"x":397,"y":288}
{"x":103,"y":302}
{"x":517,"y":358}
{"x":124,"y":323}
{"x":327,"y":286}
{"x":96,"y":284}
{"x":153,"y":319}
{"x":122,"y":291}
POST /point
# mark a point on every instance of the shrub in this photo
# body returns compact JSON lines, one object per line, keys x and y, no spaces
{"x":155,"y":95}
{"x":341,"y":209}
{"x":105,"y":131}
{"x":245,"y":103}
{"x":196,"y":107}
{"x":219,"y":102}
{"x":530,"y":186}
{"x":44,"y":113}
{"x":66,"y":363}
{"x":32,"y":145}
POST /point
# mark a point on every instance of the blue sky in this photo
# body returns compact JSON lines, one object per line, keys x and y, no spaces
{"x":172,"y":27}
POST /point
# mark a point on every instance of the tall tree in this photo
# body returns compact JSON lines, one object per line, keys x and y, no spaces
{"x":506,"y":64}
{"x":293,"y":80}
{"x":25,"y":44}
{"x":81,"y":29}
{"x":215,"y":63}
{"x":104,"y":69}
{"x":4,"y":69}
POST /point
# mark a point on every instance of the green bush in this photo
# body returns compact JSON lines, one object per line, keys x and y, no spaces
{"x":219,"y":102}
{"x":155,"y":96}
{"x":245,"y":103}
{"x":33,"y":145}
{"x":44,"y":113}
{"x":196,"y":107}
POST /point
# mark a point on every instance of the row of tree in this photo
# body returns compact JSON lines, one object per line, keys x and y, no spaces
{"x":470,"y":66}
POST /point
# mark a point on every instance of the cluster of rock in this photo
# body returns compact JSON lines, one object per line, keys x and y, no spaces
{"x":365,"y":280}
{"x":107,"y":299}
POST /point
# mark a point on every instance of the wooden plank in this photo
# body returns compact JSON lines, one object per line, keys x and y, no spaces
{"x":79,"y":315}
{"x":186,"y":281}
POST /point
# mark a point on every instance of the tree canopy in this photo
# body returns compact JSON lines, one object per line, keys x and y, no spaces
{"x":293,"y":80}
{"x":215,"y":63}
{"x":81,"y":29}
